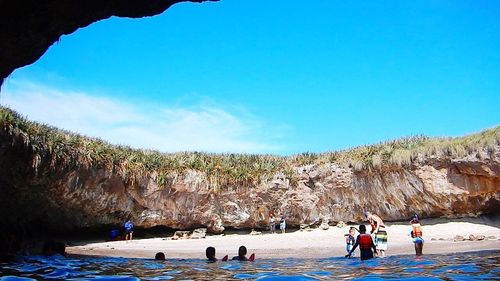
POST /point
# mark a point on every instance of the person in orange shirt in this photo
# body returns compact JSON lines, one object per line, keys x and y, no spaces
{"x":416,"y":234}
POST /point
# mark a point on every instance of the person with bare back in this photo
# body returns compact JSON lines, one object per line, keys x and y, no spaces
{"x":379,"y":232}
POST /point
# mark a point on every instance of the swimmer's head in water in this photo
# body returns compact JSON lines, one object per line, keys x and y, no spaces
{"x":242,"y":251}
{"x":160,"y":256}
{"x":210,"y":252}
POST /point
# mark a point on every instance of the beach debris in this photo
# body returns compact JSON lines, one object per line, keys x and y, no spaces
{"x":473,"y":237}
{"x":324,"y":226}
{"x":341,"y":224}
{"x":491,"y":237}
{"x":305,"y":227}
{"x":198,"y":233}
{"x":253,"y":232}
{"x":181,"y":234}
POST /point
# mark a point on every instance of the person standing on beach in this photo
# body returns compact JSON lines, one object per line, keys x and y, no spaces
{"x":378,"y":229}
{"x":272,"y":223}
{"x":416,"y":234}
{"x":129,"y":229}
{"x":365,"y":243}
{"x":283,"y":223}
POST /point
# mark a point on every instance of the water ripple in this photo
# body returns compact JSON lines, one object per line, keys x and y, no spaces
{"x":470,"y":266}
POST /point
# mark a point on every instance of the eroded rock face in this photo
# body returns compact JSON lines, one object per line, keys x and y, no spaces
{"x":30,"y":27}
{"x":89,"y":196}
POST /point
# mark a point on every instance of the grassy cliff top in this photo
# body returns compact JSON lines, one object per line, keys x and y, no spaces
{"x":64,"y":149}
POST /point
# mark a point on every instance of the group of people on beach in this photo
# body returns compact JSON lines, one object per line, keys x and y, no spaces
{"x":273,"y":220}
{"x":210,"y":251}
{"x":377,"y":239}
{"x":369,"y":244}
{"x":128,"y":230}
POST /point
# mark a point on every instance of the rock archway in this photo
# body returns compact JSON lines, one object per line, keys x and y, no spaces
{"x":29,"y":27}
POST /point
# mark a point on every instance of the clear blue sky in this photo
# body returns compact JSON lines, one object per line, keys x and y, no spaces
{"x":272,"y":76}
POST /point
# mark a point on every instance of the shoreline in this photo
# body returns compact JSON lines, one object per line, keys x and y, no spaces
{"x":438,"y":234}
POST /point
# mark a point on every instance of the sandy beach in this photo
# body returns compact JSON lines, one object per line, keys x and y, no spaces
{"x":438,"y":234}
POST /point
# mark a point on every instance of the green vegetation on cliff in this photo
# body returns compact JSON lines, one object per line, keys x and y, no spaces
{"x":62,"y":150}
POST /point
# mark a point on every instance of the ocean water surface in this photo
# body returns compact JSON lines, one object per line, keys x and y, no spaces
{"x":483,"y":265}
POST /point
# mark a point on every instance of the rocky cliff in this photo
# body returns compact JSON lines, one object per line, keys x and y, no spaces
{"x":57,"y":180}
{"x":30,"y":27}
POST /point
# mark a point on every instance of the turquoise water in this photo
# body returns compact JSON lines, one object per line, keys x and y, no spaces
{"x":466,"y":266}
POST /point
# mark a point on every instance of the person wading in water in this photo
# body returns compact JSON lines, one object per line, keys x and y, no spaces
{"x":378,"y":229}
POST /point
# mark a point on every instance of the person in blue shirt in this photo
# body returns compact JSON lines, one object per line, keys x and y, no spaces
{"x":129,"y":229}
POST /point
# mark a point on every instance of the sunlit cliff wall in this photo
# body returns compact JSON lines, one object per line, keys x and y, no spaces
{"x":62,"y":181}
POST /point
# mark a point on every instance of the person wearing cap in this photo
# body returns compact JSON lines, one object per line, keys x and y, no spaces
{"x":416,"y":235}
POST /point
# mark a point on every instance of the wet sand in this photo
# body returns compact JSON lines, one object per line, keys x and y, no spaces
{"x":438,"y":234}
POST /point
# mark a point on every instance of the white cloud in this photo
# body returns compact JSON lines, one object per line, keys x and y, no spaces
{"x":145,"y":125}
